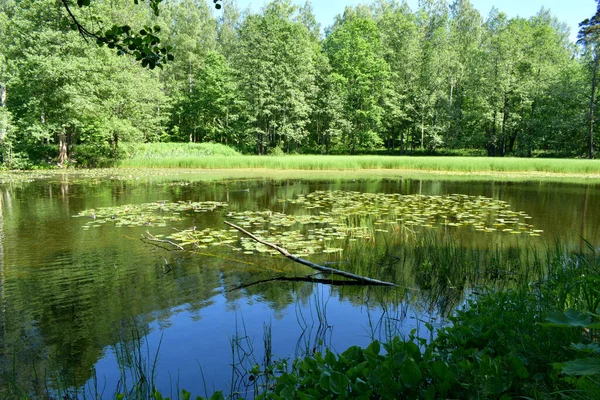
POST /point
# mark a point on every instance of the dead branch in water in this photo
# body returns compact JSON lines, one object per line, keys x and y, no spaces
{"x":309,"y":278}
{"x":312,"y":265}
{"x":153,"y":240}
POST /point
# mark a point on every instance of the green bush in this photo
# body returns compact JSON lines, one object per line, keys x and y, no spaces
{"x":93,"y":156}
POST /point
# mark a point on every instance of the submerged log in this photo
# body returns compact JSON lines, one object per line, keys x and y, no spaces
{"x":321,"y":268}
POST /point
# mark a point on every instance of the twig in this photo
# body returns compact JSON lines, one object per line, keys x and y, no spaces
{"x":152,"y":238}
{"x":318,"y":267}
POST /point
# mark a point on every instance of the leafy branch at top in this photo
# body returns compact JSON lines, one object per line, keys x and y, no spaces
{"x":144,"y":45}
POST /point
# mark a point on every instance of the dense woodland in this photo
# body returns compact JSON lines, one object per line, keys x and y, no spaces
{"x":382,"y":78}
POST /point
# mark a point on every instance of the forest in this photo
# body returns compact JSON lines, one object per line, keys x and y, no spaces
{"x":382,"y":79}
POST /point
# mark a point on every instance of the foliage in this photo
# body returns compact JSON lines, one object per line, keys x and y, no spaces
{"x":384,"y":77}
{"x":496,"y":347}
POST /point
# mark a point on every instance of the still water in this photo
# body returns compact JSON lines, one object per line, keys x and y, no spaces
{"x":72,"y":297}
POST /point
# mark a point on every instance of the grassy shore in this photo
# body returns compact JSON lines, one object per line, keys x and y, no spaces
{"x":211,"y":156}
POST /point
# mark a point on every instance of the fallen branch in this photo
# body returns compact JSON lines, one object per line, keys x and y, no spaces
{"x":309,"y":278}
{"x":154,"y":239}
{"x":318,"y":267}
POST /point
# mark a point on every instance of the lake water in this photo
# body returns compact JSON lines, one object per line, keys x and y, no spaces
{"x":74,"y":290}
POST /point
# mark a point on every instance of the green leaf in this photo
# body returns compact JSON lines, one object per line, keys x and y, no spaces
{"x":411,"y":374}
{"x":570,"y":318}
{"x":330,"y":358}
{"x":496,"y":385}
{"x":156,"y":395}
{"x":217,"y":396}
{"x":587,"y":348}
{"x":440,"y":371}
{"x":338,"y":382}
{"x":430,"y":392}
{"x":374,"y":348}
{"x":582,"y":367}
{"x":324,"y":380}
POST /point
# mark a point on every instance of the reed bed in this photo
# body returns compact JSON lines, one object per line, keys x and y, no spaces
{"x":211,"y":156}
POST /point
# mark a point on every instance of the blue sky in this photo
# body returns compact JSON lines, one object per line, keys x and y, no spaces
{"x":570,"y":11}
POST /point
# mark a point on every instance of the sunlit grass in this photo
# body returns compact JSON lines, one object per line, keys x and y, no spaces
{"x":173,"y":151}
{"x":169,"y":155}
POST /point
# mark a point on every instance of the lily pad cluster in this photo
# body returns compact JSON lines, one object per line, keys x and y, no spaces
{"x":323,"y":221}
{"x":157,"y":213}
{"x":294,"y":241}
{"x":389,"y":210}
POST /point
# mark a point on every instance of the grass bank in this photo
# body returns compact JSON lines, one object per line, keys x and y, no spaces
{"x":213,"y":156}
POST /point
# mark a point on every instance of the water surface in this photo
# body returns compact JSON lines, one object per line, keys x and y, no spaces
{"x":71,"y":297}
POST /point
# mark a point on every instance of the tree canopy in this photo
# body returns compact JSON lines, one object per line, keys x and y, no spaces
{"x":381,"y":78}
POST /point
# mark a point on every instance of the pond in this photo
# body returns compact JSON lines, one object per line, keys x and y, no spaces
{"x":82,"y":291}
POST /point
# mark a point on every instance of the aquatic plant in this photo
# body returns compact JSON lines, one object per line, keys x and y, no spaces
{"x":157,"y":213}
{"x":327,"y":220}
{"x":324,"y":221}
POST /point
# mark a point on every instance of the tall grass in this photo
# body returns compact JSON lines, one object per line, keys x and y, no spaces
{"x":159,"y":151}
{"x":214,"y":156}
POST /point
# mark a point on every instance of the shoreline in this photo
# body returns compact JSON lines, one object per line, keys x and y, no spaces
{"x":305,"y":174}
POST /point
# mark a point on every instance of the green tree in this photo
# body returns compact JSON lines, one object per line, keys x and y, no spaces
{"x":4,"y":114}
{"x":589,"y":38}
{"x":431,"y":98}
{"x":213,"y":101}
{"x":190,"y":30}
{"x":67,"y":92}
{"x":463,"y":81}
{"x":356,"y":56}
{"x":276,"y":64}
{"x":398,"y":27}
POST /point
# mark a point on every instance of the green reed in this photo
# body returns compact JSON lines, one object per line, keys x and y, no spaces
{"x":213,"y":156}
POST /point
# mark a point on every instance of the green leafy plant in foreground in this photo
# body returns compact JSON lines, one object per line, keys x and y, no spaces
{"x":493,"y":349}
{"x":185,"y":395}
{"x":498,"y":346}
{"x":588,"y":349}
{"x":403,"y":372}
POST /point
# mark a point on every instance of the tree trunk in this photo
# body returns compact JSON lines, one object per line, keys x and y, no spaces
{"x":492,"y":137}
{"x":63,"y":157}
{"x":511,"y":142}
{"x":451,"y":114}
{"x":505,"y":113}
{"x":3,"y":121}
{"x":592,"y":104}
{"x":422,"y":132}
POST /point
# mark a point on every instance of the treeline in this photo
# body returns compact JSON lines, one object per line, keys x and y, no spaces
{"x":383,"y":77}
